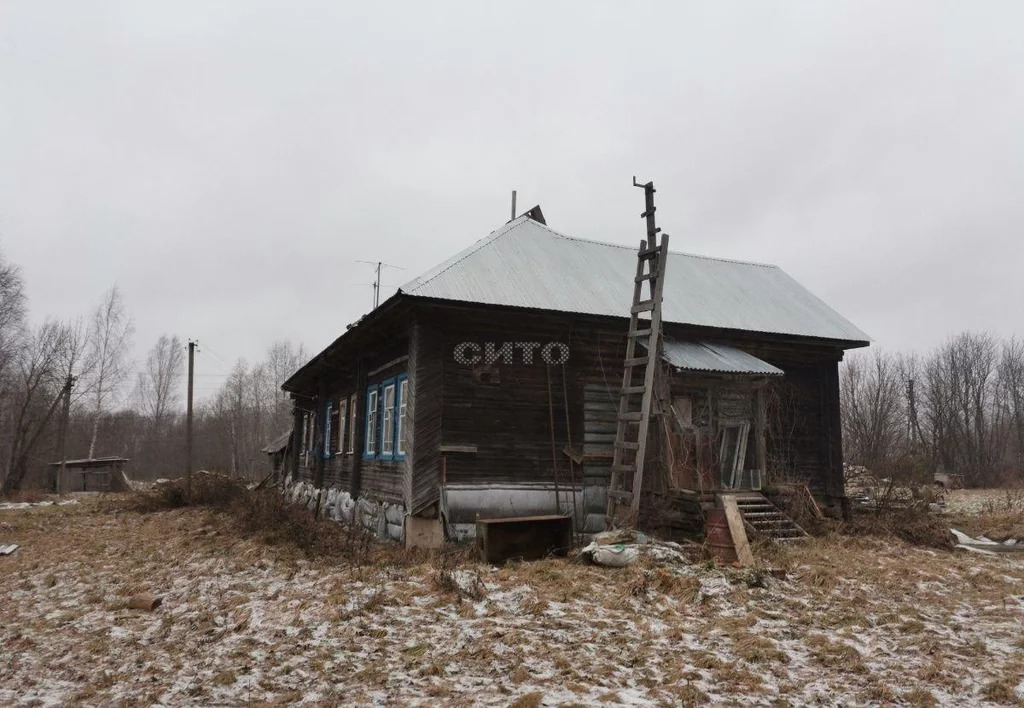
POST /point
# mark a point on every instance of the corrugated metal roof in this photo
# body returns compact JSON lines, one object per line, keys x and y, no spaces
{"x":527,"y":264}
{"x":717,"y":358}
{"x":279,"y":443}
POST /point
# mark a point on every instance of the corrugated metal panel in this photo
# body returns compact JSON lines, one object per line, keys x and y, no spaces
{"x":279,"y":443}
{"x":526,"y":264}
{"x":719,"y":358}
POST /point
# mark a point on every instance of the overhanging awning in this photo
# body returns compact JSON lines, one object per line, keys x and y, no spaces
{"x":279,"y":443}
{"x":714,"y":358}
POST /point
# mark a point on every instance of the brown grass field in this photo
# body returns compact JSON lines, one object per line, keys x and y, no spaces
{"x":249,"y":619}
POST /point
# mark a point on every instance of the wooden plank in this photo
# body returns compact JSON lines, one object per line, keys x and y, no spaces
{"x":814,"y":504}
{"x":642,"y":306}
{"x":458,"y":448}
{"x":736,"y":528}
{"x":760,"y":427}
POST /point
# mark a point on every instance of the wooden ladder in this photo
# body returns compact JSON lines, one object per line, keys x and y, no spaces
{"x":630,"y":445}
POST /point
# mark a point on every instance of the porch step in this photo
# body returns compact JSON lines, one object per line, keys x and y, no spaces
{"x":766,"y":519}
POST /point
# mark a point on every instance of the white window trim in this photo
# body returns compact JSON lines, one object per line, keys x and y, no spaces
{"x":351,"y":447}
{"x":342,"y":408}
{"x":387,"y":442}
{"x":403,"y":393}
{"x":372,"y":408}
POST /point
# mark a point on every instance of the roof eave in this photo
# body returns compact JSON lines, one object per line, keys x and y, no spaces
{"x":291,"y":385}
{"x":451,"y":302}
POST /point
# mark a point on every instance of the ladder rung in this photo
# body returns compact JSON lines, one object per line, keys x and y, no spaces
{"x":640,"y":332}
{"x":619,"y":494}
{"x":626,"y":390}
{"x":627,"y":445}
{"x":637,"y":361}
{"x":650,"y":252}
{"x":630,"y":416}
{"x":645,"y":276}
{"x":623,"y":468}
{"x":642,"y":306}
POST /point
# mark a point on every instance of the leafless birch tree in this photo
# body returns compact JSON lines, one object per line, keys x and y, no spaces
{"x":160,"y":383}
{"x":110,"y":336}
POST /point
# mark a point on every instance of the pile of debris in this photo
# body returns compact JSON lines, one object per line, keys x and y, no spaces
{"x":866,"y":491}
{"x":985,"y":545}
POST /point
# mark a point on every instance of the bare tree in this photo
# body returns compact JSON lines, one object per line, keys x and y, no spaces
{"x":1011,"y":383}
{"x":874,"y":408}
{"x":12,"y":312}
{"x":964,"y":421}
{"x":37,"y":381}
{"x":158,"y":385}
{"x":110,"y":335}
{"x":231,"y":401}
{"x":283,"y":360}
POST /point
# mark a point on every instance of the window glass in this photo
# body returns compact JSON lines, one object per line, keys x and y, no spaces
{"x":371,"y":421}
{"x":334,"y":429}
{"x":328,"y":415}
{"x":340,"y":419}
{"x":351,"y":424}
{"x":402,"y":396}
{"x":388,"y":437}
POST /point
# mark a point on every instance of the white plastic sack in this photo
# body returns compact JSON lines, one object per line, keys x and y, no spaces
{"x":617,"y":555}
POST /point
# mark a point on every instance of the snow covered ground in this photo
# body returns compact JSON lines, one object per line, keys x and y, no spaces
{"x":834,"y":620}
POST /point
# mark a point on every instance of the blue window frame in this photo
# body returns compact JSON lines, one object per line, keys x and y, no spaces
{"x":386,"y":419}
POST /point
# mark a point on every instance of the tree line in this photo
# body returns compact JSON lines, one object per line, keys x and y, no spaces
{"x":958,"y":409}
{"x":120,"y":407}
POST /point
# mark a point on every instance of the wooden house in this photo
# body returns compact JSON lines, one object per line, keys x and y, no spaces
{"x":488,"y":387}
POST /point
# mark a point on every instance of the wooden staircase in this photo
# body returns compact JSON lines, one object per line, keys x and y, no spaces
{"x":640,"y":367}
{"x":765,"y":519}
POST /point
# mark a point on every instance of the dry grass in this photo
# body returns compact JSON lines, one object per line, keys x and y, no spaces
{"x":268,"y":516}
{"x":257,"y":614}
{"x":20,"y":496}
{"x":915,"y":525}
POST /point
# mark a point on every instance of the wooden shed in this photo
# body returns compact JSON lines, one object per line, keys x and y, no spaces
{"x":488,"y":386}
{"x":96,"y":474}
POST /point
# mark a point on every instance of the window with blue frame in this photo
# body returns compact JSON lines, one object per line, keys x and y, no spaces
{"x":386,"y":419}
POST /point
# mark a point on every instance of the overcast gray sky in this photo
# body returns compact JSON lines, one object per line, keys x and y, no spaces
{"x":227,"y":163}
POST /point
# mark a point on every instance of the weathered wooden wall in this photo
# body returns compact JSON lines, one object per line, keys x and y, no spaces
{"x":496,"y":423}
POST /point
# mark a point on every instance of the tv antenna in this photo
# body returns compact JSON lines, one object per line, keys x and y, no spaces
{"x":376,"y":282}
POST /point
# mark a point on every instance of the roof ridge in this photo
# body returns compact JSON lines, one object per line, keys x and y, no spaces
{"x":462,"y":255}
{"x":671,"y":253}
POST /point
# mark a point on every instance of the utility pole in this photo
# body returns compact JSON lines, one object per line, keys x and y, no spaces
{"x":513,"y":204}
{"x":188,"y":423}
{"x":376,"y":288}
{"x":63,"y":434}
